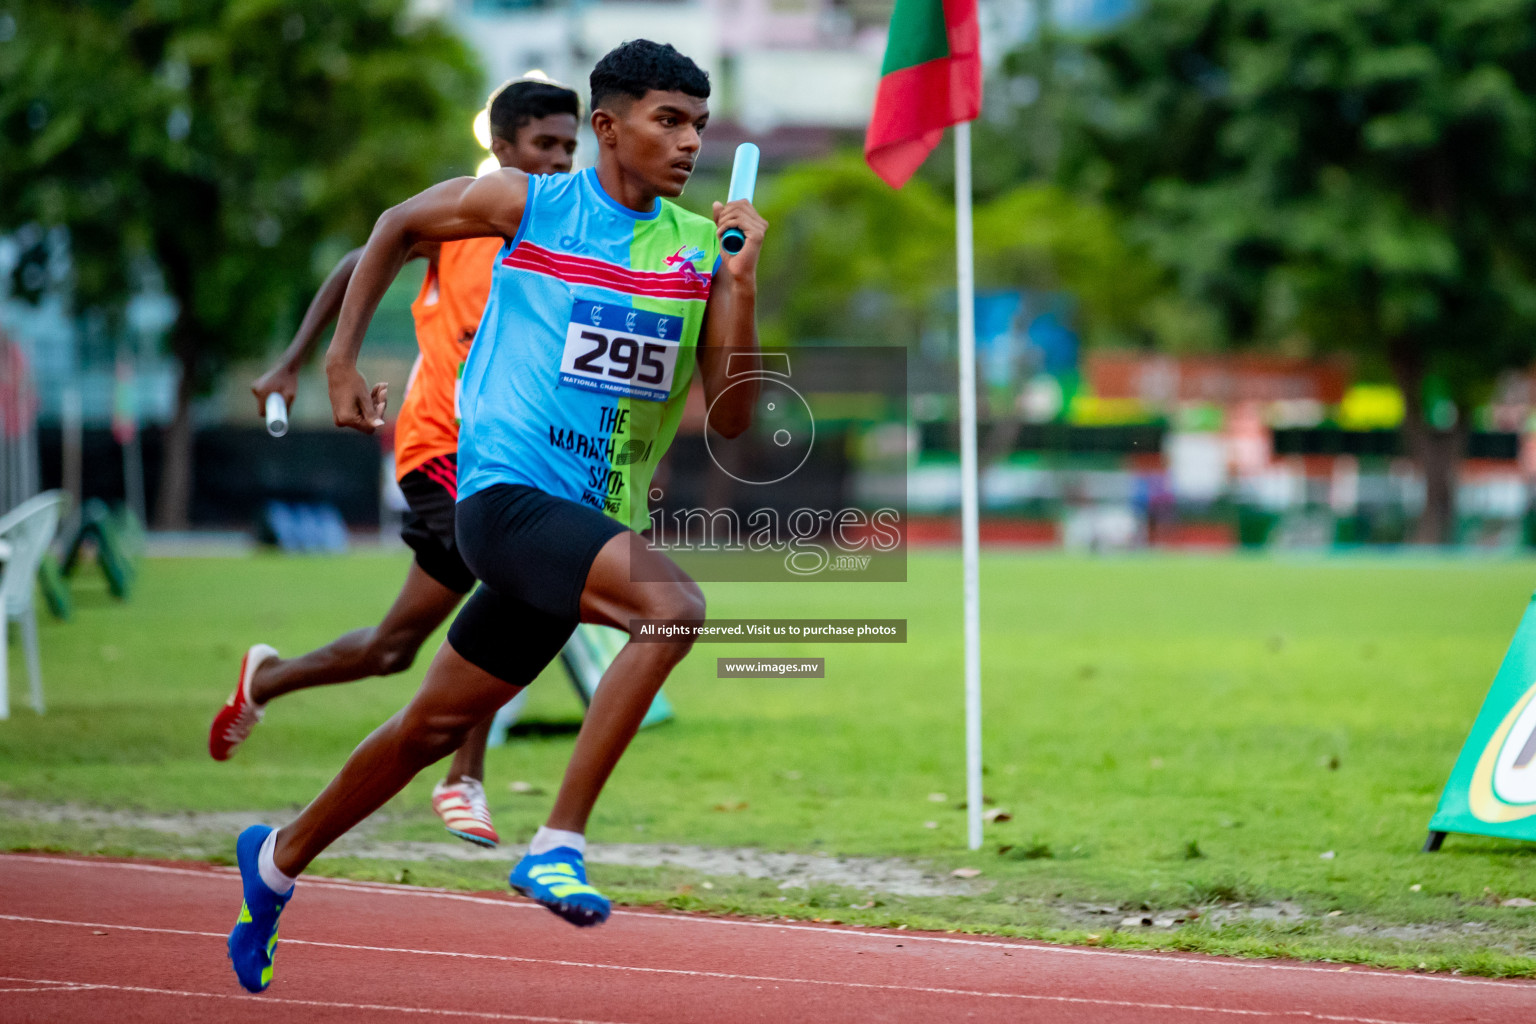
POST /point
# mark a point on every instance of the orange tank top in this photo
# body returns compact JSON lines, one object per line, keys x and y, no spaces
{"x":447,"y":313}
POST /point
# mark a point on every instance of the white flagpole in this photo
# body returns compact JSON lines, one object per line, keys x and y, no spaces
{"x":969,"y":544}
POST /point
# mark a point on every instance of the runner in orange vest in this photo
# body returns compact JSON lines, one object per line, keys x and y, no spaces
{"x":533,"y":128}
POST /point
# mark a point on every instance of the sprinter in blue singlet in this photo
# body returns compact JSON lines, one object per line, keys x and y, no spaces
{"x":606,"y":301}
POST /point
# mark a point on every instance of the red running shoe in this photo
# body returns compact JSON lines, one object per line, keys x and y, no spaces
{"x":239,"y":714}
{"x":464,"y":812}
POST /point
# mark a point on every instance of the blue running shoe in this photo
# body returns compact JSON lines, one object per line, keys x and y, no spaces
{"x":253,"y":942}
{"x":558,"y":879}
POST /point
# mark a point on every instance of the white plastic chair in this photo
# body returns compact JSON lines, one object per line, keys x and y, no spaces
{"x":25,"y":533}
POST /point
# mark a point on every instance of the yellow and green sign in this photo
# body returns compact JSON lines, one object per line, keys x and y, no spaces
{"x":1492,"y":789}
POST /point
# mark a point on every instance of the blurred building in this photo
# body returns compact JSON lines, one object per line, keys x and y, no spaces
{"x":792,"y":74}
{"x":75,"y":358}
{"x":797,"y":76}
{"x":1121,"y":449}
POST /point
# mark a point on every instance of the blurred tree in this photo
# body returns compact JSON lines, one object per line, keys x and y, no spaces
{"x":851,"y":259}
{"x":1041,"y":238}
{"x":221,"y":143}
{"x":1359,"y":174}
{"x":855,"y":260}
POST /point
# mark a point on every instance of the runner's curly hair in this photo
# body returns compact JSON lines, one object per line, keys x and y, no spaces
{"x":635,"y":68}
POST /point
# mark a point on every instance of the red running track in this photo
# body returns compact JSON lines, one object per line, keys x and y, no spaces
{"x":87,"y":940}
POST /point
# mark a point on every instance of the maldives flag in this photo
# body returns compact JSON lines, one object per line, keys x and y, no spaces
{"x":930,"y":80}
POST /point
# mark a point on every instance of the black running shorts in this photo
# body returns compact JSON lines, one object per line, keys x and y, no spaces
{"x":430,"y":491}
{"x":531,"y":552}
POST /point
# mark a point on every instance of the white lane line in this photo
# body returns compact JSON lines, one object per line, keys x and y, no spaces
{"x":130,"y":928}
{"x":32,"y":858}
{"x":728,"y":976}
{"x":82,"y":986}
{"x":1185,"y":960}
{"x":46,"y":988}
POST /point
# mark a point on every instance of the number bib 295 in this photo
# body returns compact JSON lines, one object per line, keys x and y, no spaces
{"x":619,"y":351}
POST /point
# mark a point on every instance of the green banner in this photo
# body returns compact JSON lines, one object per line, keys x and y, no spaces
{"x":1492,"y":789}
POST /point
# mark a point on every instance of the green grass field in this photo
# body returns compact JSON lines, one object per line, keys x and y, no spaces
{"x":1167,"y":734}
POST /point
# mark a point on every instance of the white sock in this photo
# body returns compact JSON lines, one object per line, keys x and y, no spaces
{"x":274,"y":879}
{"x":546,"y":839}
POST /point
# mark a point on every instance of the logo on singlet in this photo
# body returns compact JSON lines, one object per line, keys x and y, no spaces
{"x":682,"y":262}
{"x":684,"y":254}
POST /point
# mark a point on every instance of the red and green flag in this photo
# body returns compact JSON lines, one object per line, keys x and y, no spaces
{"x":931,"y":79}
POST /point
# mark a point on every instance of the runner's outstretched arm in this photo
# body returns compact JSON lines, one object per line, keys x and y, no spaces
{"x":284,"y":375}
{"x":460,"y":208}
{"x":323,"y":309}
{"x":730,"y":322}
